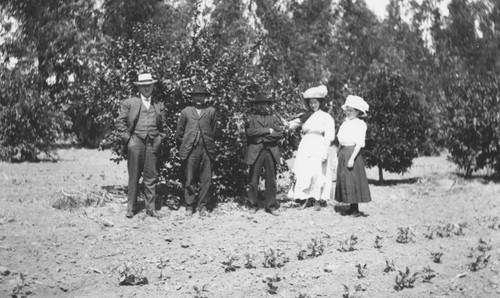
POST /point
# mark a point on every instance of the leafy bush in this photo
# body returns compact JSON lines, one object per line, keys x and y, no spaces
{"x":397,"y":124}
{"x":30,"y":122}
{"x":471,"y":120}
{"x":232,"y":74}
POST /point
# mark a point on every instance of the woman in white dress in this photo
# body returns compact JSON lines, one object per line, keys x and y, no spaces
{"x":313,"y":167}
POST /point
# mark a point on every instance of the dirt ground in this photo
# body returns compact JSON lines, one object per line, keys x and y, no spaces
{"x":432,"y":221}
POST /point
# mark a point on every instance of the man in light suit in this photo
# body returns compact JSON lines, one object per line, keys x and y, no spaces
{"x":263,"y":133}
{"x":196,"y":131}
{"x":142,"y":125}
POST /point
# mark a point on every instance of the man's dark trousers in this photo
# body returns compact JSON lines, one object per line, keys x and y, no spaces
{"x":266,"y":162}
{"x":142,"y":159}
{"x":198,"y":169}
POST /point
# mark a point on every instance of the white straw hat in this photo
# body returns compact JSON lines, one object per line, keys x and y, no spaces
{"x":145,"y":79}
{"x":356,"y":102}
{"x":315,"y":92}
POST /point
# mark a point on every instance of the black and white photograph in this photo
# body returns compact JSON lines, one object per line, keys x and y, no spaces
{"x":250,"y":148}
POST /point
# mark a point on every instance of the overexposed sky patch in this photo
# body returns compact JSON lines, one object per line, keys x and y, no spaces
{"x":379,"y":7}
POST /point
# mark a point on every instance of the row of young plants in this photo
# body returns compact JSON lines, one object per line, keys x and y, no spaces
{"x":478,"y":258}
{"x":407,"y":278}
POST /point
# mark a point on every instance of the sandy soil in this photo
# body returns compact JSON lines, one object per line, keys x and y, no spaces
{"x":429,"y":218}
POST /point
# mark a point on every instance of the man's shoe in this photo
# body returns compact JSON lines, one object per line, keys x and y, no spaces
{"x":189,"y":211}
{"x":129,"y":214}
{"x":202,"y":212}
{"x":153,"y":213}
{"x":317,"y":206}
{"x":272,"y":212}
{"x":253,"y":210}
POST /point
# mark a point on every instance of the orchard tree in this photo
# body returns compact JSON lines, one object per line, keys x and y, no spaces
{"x":30,"y":122}
{"x":397,"y":123}
{"x":472,"y":124}
{"x":63,"y":41}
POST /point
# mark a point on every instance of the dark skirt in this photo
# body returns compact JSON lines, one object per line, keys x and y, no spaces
{"x":352,"y":184}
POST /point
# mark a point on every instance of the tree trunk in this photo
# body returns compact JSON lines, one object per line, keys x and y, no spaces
{"x":380,"y":174}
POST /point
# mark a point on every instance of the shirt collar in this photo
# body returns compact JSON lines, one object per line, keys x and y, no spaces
{"x":144,"y":98}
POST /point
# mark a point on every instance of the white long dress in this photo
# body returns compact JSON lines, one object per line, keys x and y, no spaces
{"x":313,"y":176}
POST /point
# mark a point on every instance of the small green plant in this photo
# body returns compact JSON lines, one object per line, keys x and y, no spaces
{"x":249,"y":259}
{"x":20,"y":291}
{"x":484,"y":245}
{"x":428,"y":274}
{"x":131,"y":276}
{"x":405,"y":235}
{"x":378,"y":242}
{"x":459,"y":229}
{"x":302,"y":295}
{"x":389,"y":266}
{"x":229,"y":265}
{"x":429,"y":234}
{"x":314,"y":249}
{"x":494,"y":224}
{"x":450,"y":229}
{"x":351,"y":294}
{"x":361,"y":270}
{"x":274,"y":259}
{"x":348,"y":244}
{"x":272,"y":288}
{"x":405,"y":279}
{"x":479,"y":263}
{"x":436,"y":257}
{"x":200,"y":291}
{"x":161,"y":265}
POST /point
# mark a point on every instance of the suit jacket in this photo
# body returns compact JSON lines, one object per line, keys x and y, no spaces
{"x":258,"y":137}
{"x":129,"y":113}
{"x":190,"y":125}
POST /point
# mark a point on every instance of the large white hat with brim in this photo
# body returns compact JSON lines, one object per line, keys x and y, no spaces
{"x":145,"y":79}
{"x":315,"y":92}
{"x":356,"y":102}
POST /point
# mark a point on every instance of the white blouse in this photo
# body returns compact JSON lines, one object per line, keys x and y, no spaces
{"x":352,"y":132}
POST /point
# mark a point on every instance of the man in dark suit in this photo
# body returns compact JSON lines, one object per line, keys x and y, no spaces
{"x":196,"y":130}
{"x":142,"y":125}
{"x":263,"y":133}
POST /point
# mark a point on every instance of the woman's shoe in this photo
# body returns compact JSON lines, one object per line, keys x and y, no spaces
{"x":304,"y":206}
{"x":317,"y":206}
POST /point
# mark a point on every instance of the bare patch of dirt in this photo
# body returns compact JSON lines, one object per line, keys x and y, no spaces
{"x":63,"y":233}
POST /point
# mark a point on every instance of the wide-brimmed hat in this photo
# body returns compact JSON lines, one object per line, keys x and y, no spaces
{"x":199,"y":89}
{"x":319,"y":92}
{"x":260,"y":97}
{"x":356,"y":102}
{"x":145,"y":79}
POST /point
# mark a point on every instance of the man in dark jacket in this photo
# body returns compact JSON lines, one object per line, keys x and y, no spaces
{"x":196,"y":130}
{"x":142,"y":124}
{"x":263,"y":133}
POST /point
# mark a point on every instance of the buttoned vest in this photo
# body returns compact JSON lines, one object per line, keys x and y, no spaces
{"x":146,"y":124}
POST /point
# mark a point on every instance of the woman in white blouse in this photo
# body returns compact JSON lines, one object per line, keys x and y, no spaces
{"x":313,"y":164}
{"x":352,"y":184}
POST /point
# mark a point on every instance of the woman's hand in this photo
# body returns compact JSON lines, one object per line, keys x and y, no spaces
{"x":350,"y":164}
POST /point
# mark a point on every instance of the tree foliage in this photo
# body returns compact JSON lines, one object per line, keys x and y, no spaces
{"x":471,"y":118}
{"x":30,"y":123}
{"x":81,"y":57}
{"x":233,"y":74}
{"x":396,"y":125}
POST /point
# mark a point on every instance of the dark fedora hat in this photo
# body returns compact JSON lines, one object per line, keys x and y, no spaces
{"x":260,"y":97}
{"x":199,"y":89}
